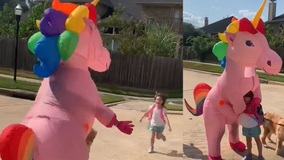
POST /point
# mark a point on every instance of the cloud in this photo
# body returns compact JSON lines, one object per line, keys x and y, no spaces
{"x":194,"y":20}
{"x":214,"y":7}
{"x":246,"y":13}
{"x":250,"y":14}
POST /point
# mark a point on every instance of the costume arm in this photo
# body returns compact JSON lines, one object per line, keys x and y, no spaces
{"x":237,"y":102}
{"x":257,"y":93}
{"x":104,"y":115}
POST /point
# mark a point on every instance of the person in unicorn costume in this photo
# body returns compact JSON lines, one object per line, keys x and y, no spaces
{"x":243,"y":48}
{"x":68,"y":101}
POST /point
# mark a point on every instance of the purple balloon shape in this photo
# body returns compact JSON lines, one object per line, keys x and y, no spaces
{"x":53,"y":22}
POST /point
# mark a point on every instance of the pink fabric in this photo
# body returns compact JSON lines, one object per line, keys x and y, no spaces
{"x":238,"y":78}
{"x":68,"y":101}
{"x":65,"y":103}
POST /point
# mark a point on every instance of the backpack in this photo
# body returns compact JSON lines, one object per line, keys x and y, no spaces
{"x":260,"y":116}
{"x":161,"y":113}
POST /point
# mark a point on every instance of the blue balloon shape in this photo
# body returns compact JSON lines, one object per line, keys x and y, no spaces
{"x":46,"y":51}
{"x":223,"y":62}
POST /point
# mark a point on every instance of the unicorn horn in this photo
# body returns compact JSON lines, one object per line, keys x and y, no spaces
{"x":257,"y":16}
{"x":95,"y":2}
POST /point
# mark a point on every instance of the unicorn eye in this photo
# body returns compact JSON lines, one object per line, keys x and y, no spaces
{"x":249,"y":43}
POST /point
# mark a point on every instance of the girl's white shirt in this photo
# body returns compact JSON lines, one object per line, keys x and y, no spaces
{"x":156,"y":117}
{"x":246,"y":121}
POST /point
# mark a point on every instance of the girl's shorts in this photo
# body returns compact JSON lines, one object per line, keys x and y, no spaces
{"x":252,"y":132}
{"x":158,"y":129}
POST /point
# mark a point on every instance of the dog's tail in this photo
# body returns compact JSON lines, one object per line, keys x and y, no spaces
{"x":17,"y":143}
{"x":200,"y":92}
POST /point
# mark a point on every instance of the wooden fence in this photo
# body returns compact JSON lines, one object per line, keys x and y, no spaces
{"x":210,"y":57}
{"x":136,"y":71}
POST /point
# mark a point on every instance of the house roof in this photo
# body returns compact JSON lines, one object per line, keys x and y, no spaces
{"x":106,"y":2}
{"x":217,"y":27}
{"x":159,"y":1}
{"x":131,"y":8}
{"x":277,"y":19}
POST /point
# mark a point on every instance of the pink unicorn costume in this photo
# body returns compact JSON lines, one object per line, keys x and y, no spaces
{"x":245,"y":48}
{"x":68,"y":101}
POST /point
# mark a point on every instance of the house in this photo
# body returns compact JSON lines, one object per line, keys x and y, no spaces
{"x":276,"y":22}
{"x":220,"y":26}
{"x":216,"y":27}
{"x":163,"y":11}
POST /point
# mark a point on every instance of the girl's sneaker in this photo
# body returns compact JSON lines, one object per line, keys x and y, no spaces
{"x":151,"y":150}
{"x":248,"y":157}
{"x":260,"y":158}
{"x":164,"y":138}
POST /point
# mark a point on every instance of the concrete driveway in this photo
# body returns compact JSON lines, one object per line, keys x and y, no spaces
{"x":195,"y":146}
{"x":110,"y":144}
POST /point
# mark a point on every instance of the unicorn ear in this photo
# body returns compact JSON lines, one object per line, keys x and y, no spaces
{"x":230,"y":37}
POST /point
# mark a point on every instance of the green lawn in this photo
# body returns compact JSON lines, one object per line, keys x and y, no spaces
{"x":219,"y":69}
{"x":33,"y":87}
{"x":174,"y":107}
{"x":8,"y":83}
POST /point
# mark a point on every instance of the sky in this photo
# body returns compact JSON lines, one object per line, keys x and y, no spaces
{"x":194,"y":11}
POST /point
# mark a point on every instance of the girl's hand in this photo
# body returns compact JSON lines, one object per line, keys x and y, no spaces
{"x":170,"y":128}
{"x":141,"y":120}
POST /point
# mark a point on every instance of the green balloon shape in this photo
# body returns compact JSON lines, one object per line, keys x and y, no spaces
{"x":67,"y":43}
{"x":220,"y":50}
{"x":33,"y":40}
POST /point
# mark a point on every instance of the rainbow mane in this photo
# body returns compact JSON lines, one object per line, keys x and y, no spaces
{"x":242,"y":25}
{"x":59,"y":34}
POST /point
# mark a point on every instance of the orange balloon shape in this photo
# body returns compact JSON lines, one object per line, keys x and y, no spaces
{"x":66,"y":8}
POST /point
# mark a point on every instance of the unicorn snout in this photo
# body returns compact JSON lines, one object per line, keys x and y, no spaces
{"x":270,"y":62}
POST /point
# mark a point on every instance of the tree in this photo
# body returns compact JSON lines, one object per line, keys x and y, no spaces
{"x":160,"y":40}
{"x":274,"y":39}
{"x":137,"y":38}
{"x":203,"y":46}
{"x":29,"y":27}
{"x":7,"y":19}
{"x":190,"y":32}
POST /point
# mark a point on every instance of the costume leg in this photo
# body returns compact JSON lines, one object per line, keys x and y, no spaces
{"x":233,"y":137}
{"x":215,"y":128}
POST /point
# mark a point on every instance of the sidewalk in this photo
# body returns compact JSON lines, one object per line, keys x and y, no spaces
{"x":212,"y":64}
{"x":112,"y":94}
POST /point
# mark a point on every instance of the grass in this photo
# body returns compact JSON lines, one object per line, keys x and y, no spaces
{"x":33,"y":87}
{"x":7,"y":83}
{"x":107,"y":99}
{"x":174,"y":107}
{"x":219,"y":69}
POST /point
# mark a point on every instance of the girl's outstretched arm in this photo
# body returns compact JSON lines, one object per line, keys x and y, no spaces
{"x":145,"y":114}
{"x":168,"y":122}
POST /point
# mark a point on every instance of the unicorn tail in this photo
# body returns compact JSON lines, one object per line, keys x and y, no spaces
{"x":200,"y":92}
{"x":17,"y":143}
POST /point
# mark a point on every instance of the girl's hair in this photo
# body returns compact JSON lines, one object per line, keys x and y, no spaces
{"x":163,"y":96}
{"x":249,"y":94}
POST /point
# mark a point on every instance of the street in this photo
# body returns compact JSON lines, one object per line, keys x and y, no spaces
{"x":111,"y":144}
{"x":195,"y":145}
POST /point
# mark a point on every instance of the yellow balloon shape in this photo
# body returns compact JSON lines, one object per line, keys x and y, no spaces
{"x":75,"y":21}
{"x":233,"y":27}
{"x":222,"y":37}
{"x":37,"y":23}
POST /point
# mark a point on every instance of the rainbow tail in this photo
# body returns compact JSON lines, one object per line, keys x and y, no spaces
{"x":200,"y":92}
{"x":17,"y":143}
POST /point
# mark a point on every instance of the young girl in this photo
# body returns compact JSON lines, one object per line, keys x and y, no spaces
{"x":158,"y":118}
{"x":251,"y":121}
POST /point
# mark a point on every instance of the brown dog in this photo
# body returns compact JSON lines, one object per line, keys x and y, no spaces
{"x":273,"y":124}
{"x":92,"y":135}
